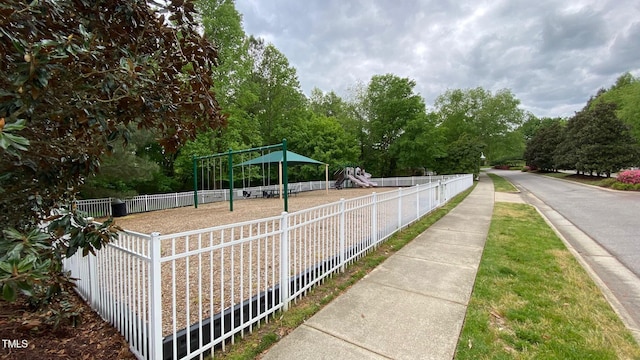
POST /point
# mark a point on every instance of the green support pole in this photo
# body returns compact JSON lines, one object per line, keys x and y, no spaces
{"x":195,"y":181}
{"x":285,"y":175}
{"x":230,"y":180}
{"x":229,"y":154}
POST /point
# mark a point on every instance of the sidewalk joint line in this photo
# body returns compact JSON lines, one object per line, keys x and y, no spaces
{"x":427,"y":295}
{"x":346,"y":341}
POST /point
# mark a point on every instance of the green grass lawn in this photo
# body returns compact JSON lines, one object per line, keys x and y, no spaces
{"x":532,"y":299}
{"x":585,"y":179}
{"x":611,"y":182}
{"x":500,"y":184}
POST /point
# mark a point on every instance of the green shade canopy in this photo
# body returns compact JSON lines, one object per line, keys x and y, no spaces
{"x":277,"y":156}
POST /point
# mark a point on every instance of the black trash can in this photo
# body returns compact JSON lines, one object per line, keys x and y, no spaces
{"x":118,"y":208}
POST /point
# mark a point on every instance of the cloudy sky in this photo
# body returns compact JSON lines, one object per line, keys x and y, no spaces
{"x":552,"y":54}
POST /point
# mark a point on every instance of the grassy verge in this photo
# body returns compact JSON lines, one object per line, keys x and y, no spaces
{"x":585,"y":179}
{"x":501,"y":185}
{"x":270,"y":332}
{"x":532,"y":299}
{"x":611,"y":183}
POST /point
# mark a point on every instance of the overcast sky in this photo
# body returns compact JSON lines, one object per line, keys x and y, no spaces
{"x":553,"y":55}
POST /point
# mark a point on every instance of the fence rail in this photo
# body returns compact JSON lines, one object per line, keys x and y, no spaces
{"x":100,"y":208}
{"x":180,"y":296}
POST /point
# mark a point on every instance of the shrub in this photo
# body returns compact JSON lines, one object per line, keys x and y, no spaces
{"x":627,"y":187}
{"x":31,"y":260}
{"x":629,"y":177}
{"x":608,"y":182}
{"x":525,"y":169}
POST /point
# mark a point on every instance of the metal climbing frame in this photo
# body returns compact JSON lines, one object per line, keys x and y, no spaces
{"x":229,"y":154}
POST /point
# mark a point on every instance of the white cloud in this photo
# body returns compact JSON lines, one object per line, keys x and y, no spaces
{"x":553,"y":56}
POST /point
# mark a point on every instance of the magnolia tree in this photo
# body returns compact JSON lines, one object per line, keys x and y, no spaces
{"x":76,"y":77}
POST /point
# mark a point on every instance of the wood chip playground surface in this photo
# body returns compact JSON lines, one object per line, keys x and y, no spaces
{"x":173,"y":221}
{"x":177,"y":220}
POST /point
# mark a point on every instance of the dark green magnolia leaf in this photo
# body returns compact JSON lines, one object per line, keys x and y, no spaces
{"x":26,"y":288}
{"x":19,"y":45}
{"x":13,"y":234}
{"x":8,"y":292}
{"x":17,"y":140}
{"x":15,"y":126}
{"x":16,"y":251}
{"x":37,"y":236}
{"x":4,"y":142}
{"x":26,"y":263}
{"x":6,"y":267}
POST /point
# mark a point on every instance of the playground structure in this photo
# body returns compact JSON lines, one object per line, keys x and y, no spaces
{"x":210,"y":165}
{"x":184,"y":294}
{"x":357,"y":176}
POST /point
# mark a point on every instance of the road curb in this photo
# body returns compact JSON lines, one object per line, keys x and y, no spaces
{"x":616,"y":305}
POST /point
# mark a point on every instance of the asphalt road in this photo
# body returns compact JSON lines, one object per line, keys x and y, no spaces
{"x":611,"y":218}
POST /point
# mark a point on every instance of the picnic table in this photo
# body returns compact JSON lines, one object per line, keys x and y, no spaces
{"x":271,"y":193}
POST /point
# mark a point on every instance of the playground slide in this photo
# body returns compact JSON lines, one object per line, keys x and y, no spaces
{"x":365,"y":180}
{"x":357,"y":181}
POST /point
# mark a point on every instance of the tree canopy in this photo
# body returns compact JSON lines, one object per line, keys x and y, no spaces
{"x":543,"y":144}
{"x":76,"y":79}
{"x":625,"y":93}
{"x":594,"y":141}
{"x":487,"y":118}
{"x":78,"y":75}
{"x":385,"y":107}
{"x":601,"y":141}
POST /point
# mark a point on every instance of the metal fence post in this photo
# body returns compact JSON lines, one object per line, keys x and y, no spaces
{"x":445,"y":197}
{"x":342,"y":245}
{"x":284,"y":261}
{"x":155,"y":298}
{"x":417,"y":201}
{"x":374,"y":218}
{"x":93,"y":280}
{"x":399,"y":208}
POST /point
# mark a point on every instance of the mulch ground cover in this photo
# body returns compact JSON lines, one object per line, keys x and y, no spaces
{"x":93,"y":338}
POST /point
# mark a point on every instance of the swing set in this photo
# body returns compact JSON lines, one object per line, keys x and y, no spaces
{"x":209,"y":165}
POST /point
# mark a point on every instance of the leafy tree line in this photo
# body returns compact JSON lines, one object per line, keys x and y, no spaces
{"x":383,"y":125}
{"x":600,"y":139}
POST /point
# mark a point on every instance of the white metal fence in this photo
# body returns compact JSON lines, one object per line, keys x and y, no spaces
{"x":99,"y":208}
{"x":179,"y":296}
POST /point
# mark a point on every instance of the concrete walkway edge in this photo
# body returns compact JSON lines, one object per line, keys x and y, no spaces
{"x":413,"y":305}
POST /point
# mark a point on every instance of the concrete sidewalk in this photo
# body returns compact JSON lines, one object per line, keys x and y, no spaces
{"x":413,"y":305}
